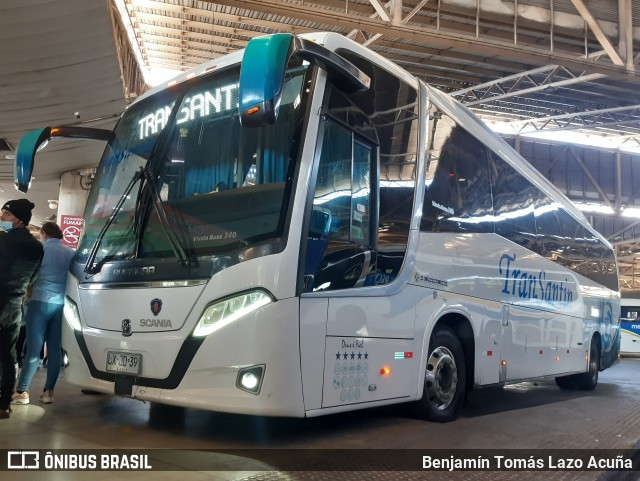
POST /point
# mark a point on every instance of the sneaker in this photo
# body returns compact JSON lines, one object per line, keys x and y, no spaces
{"x":47,"y":396}
{"x":20,"y":397}
{"x":5,"y":413}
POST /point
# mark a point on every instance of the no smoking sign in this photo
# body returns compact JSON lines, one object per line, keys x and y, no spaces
{"x":71,"y":226}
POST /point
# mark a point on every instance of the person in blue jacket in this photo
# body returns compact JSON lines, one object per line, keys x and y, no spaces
{"x":44,"y":315}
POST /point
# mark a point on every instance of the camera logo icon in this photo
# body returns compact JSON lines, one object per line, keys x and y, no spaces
{"x":23,"y":460}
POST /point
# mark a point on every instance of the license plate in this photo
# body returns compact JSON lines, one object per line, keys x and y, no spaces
{"x":124,"y":362}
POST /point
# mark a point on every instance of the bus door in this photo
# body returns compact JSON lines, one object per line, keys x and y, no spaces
{"x":366,"y":349}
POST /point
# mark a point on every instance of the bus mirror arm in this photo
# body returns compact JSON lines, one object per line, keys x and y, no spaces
{"x":346,"y":76}
{"x":37,"y":139}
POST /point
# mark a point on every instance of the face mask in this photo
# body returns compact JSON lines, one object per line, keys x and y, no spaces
{"x":6,"y":225}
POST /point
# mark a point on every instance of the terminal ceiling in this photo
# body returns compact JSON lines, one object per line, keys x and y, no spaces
{"x":564,"y":65}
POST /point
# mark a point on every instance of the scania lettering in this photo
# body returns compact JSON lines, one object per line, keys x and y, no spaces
{"x":155,"y":323}
{"x":324,"y":232}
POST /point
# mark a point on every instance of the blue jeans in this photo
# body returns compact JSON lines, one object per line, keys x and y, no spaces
{"x":44,"y":323}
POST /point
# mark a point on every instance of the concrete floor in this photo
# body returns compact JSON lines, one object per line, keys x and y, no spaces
{"x":523,"y":416}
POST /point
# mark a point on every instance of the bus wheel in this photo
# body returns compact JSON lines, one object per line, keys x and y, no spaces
{"x":586,"y":381}
{"x":589,"y":380}
{"x":445,"y":378}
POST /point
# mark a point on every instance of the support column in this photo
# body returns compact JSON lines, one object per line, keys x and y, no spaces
{"x":74,"y":192}
{"x":73,"y":195}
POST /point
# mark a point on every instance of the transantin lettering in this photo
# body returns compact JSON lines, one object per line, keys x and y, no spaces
{"x":525,"y":285}
{"x":197,"y":106}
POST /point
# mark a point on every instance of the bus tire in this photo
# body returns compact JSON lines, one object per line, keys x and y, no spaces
{"x":586,"y":381}
{"x":445,"y":378}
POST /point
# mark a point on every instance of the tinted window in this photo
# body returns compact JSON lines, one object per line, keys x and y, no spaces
{"x":392,"y":110}
{"x":365,"y":183}
{"x":514,"y":198}
{"x":338,"y":253}
{"x":458,"y":188}
{"x":601,"y":266}
{"x":470,"y":188}
{"x":550,"y":228}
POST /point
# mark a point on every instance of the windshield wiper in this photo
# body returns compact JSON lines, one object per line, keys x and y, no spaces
{"x":92,"y":267}
{"x":176,"y":244}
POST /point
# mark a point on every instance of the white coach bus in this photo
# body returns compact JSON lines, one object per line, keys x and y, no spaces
{"x":630,"y":326}
{"x":303,"y":228}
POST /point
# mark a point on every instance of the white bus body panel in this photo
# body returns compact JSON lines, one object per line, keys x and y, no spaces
{"x":370,"y":348}
{"x":359,"y":370}
{"x":360,"y":341}
{"x":100,"y":309}
{"x":534,"y":323}
{"x":268,"y":336}
{"x":630,"y":331}
{"x":630,"y":338}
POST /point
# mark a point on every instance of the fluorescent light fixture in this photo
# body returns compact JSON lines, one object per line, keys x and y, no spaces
{"x":593,"y":207}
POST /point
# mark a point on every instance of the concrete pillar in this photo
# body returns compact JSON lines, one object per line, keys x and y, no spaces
{"x":74,"y":191}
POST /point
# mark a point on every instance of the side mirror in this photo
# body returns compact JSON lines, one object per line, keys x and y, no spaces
{"x":320,"y":223}
{"x":263,"y":68}
{"x":37,"y":139}
{"x":27,"y":148}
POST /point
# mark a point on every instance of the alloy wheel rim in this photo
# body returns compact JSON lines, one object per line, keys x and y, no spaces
{"x":441,"y":379}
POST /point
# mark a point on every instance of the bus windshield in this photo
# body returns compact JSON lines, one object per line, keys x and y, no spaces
{"x":210,"y":184}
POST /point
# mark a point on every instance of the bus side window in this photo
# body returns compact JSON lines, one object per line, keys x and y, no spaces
{"x":370,"y":228}
{"x":396,"y":204}
{"x":340,"y":225}
{"x":457,"y":188}
{"x":317,"y":238}
{"x":550,"y":228}
{"x":514,"y":199}
{"x":333,"y":186}
{"x":392,"y":123}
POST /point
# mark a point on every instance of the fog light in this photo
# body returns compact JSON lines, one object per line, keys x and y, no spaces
{"x":250,"y":379}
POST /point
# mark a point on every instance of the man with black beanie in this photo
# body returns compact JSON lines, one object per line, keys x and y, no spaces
{"x":20,"y":258}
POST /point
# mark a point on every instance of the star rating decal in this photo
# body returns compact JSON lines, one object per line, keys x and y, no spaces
{"x":345,"y":355}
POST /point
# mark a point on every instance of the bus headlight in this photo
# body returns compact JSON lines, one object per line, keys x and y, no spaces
{"x":71,"y":314}
{"x":224,"y":312}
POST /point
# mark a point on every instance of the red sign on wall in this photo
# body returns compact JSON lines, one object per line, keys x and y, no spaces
{"x":71,"y":226}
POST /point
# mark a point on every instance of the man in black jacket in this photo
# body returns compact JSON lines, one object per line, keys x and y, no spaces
{"x":20,"y":258}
